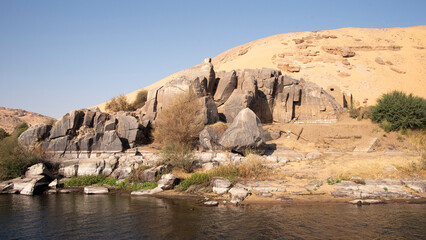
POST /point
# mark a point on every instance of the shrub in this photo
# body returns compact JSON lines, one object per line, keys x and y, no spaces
{"x":219,"y":127}
{"x":196,"y":178}
{"x":400,"y":110}
{"x":180,"y":122}
{"x":121,"y":103}
{"x":3,"y":133}
{"x":15,"y":159}
{"x":117,"y":104}
{"x":359,"y":112}
{"x":140,"y":100}
{"x":179,"y":155}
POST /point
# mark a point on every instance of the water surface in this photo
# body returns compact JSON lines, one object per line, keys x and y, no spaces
{"x":78,"y":216}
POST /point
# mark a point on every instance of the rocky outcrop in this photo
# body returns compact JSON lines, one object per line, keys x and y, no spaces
{"x":83,"y":132}
{"x":34,"y":134}
{"x":245,"y":132}
{"x":384,"y":188}
{"x":272,"y":96}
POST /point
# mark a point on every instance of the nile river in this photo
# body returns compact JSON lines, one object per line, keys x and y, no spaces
{"x":78,"y":216}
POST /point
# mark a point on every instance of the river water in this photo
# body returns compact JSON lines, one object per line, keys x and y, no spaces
{"x":78,"y":216}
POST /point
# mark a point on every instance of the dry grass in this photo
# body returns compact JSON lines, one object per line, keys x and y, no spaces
{"x":373,"y":168}
{"x":219,"y":127}
{"x":418,"y":138}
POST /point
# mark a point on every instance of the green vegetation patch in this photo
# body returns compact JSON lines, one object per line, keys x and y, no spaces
{"x":397,"y":110}
{"x":113,"y":182}
{"x":15,"y":159}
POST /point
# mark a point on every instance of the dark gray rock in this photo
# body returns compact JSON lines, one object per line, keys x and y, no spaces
{"x":111,"y":142}
{"x":226,"y":86}
{"x":209,"y":139}
{"x":208,"y":110}
{"x":88,"y":118}
{"x":34,"y":134}
{"x":58,"y":146}
{"x":237,"y":101}
{"x":67,"y":125}
{"x":129,"y":128}
{"x":99,"y":121}
{"x":149,"y":175}
{"x":245,"y":132}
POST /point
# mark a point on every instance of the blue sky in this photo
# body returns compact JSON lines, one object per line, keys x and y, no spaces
{"x":56,"y":56}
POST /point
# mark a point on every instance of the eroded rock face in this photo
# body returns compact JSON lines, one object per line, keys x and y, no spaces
{"x":209,"y":139}
{"x":34,"y":134}
{"x":245,"y":132}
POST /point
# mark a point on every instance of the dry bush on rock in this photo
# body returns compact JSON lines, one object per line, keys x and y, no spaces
{"x":180,"y":122}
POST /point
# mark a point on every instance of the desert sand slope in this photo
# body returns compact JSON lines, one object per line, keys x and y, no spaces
{"x":10,"y":118}
{"x":384,"y":60}
{"x":363,"y":62}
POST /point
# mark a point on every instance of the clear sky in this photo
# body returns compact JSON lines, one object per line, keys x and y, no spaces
{"x":56,"y":56}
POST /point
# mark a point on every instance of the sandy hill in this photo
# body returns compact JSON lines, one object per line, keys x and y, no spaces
{"x":10,"y":118}
{"x":363,"y":62}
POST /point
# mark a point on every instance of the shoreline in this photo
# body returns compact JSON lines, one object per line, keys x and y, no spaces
{"x":252,"y":200}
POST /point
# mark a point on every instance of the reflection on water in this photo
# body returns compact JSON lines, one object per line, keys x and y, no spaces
{"x":77,"y":216}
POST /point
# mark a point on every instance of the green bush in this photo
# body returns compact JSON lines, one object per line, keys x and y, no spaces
{"x":86,"y":180}
{"x":15,"y":159}
{"x":400,"y":110}
{"x":113,"y":182}
{"x":196,"y":178}
{"x":179,"y":155}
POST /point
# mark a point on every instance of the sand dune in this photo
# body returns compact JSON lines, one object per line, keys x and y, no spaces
{"x":363,"y":62}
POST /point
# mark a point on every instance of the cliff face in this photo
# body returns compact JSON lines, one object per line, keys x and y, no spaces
{"x":271,"y":96}
{"x":362,"y":62}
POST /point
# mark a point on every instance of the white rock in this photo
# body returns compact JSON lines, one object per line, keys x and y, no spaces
{"x":37,"y":169}
{"x":211,"y":203}
{"x":238,"y":193}
{"x":221,"y":185}
{"x":96,"y":190}
{"x":147,"y":192}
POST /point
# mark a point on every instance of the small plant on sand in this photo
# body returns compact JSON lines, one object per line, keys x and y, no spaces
{"x":140,"y":100}
{"x":386,"y":189}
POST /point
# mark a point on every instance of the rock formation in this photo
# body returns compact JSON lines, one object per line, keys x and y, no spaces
{"x":255,"y":95}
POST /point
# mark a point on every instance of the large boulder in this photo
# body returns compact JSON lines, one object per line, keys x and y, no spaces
{"x":245,"y":132}
{"x":38,"y":169}
{"x":221,"y":185}
{"x":34,"y":134}
{"x":168,"y":181}
{"x":238,"y":101}
{"x":149,"y":175}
